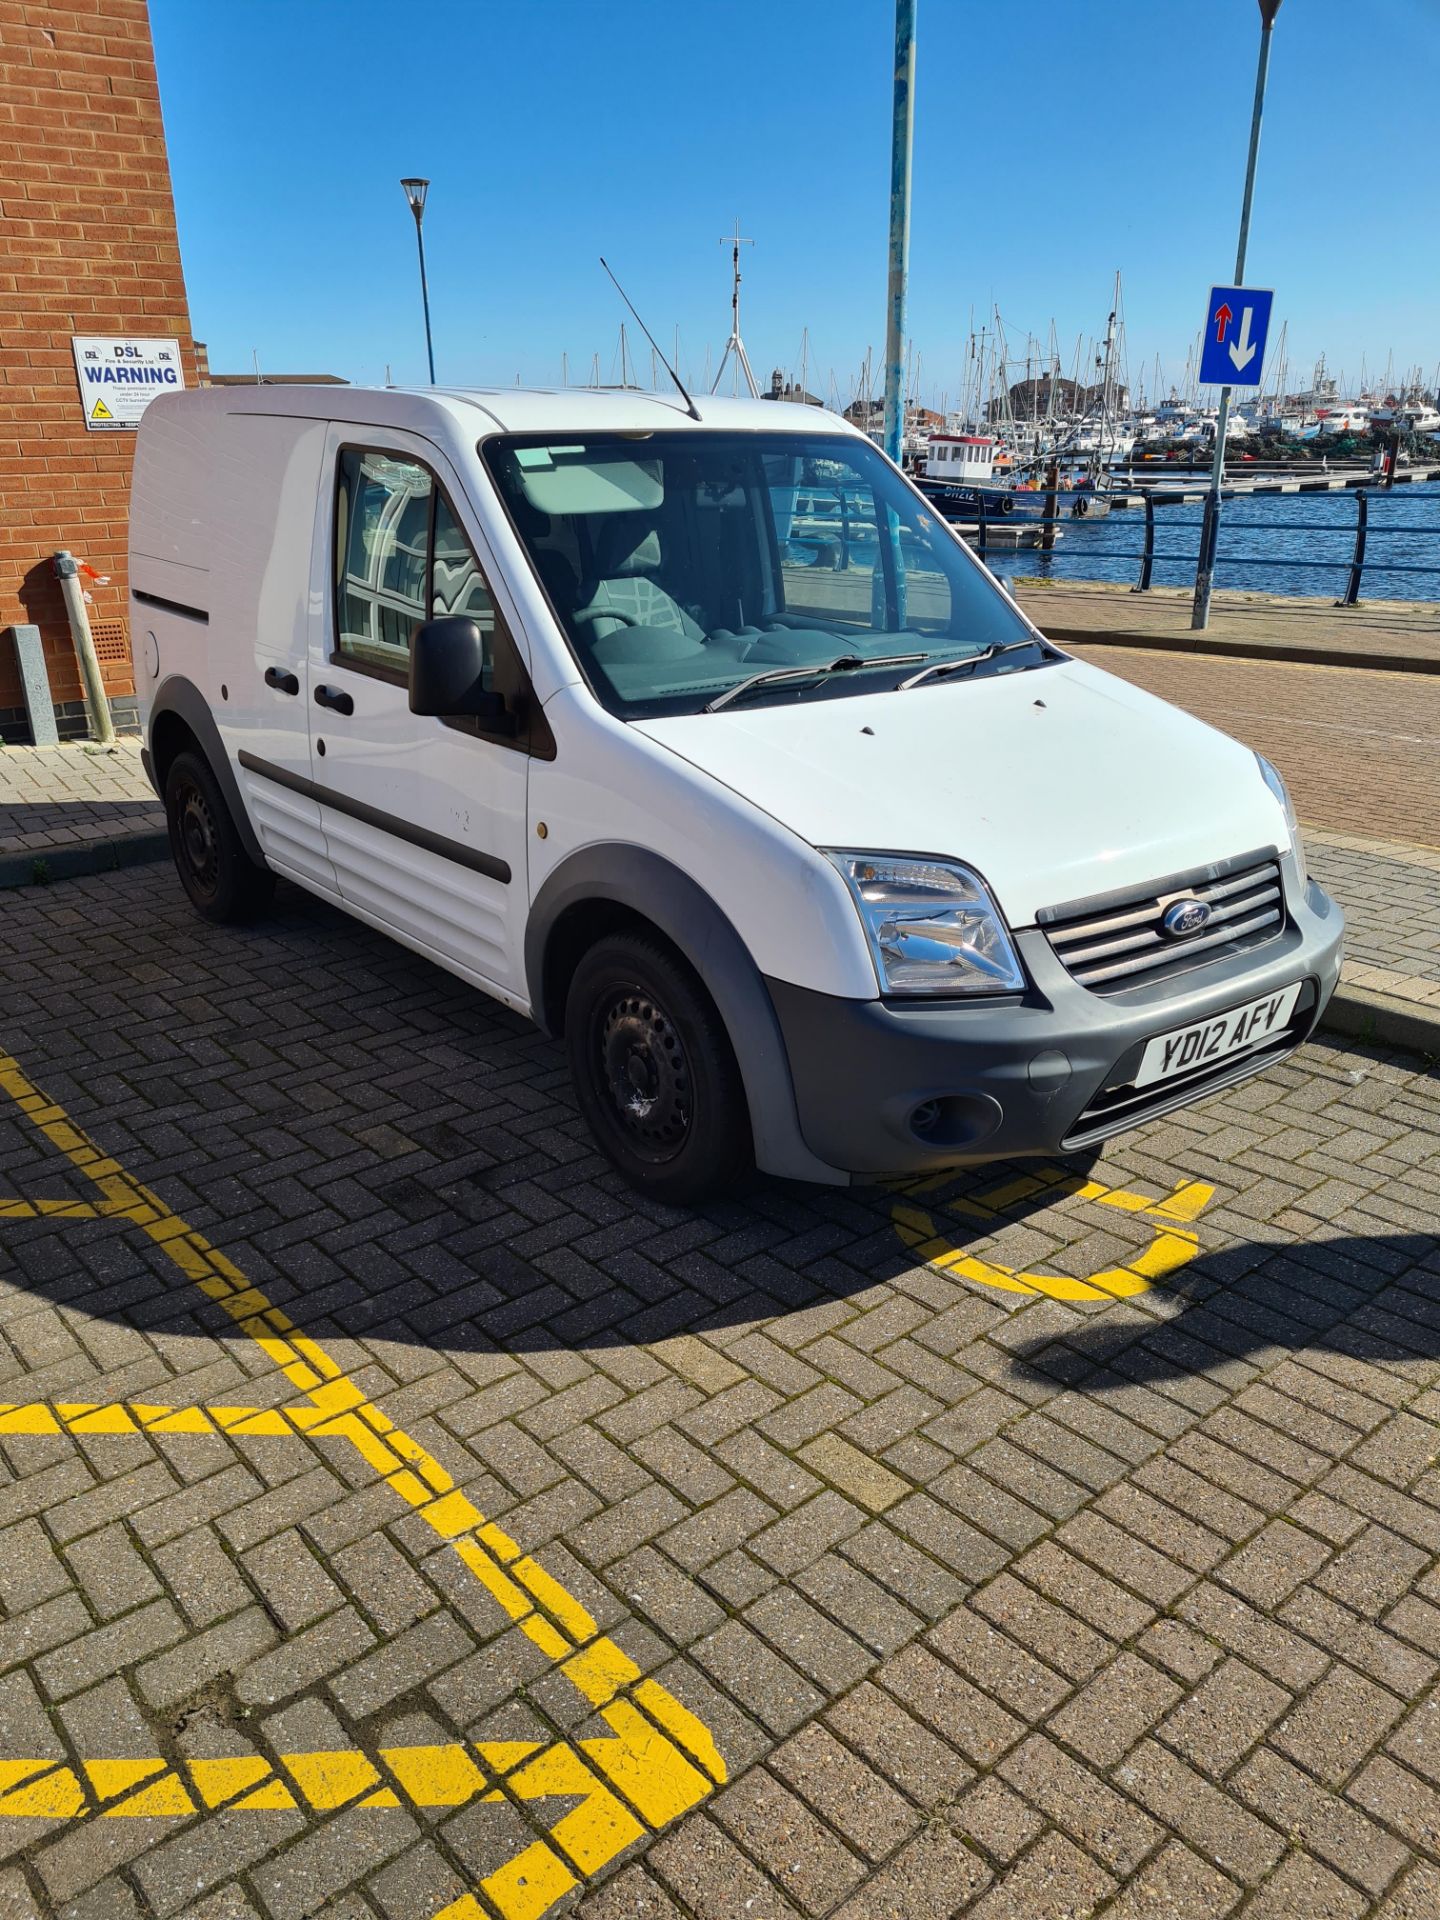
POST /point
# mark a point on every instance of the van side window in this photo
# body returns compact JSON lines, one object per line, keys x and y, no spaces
{"x":401,"y":557}
{"x":382,"y":543}
{"x":457,"y":585}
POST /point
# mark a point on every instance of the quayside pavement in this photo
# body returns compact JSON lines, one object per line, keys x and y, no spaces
{"x":1397,"y":635}
{"x":401,"y":1521}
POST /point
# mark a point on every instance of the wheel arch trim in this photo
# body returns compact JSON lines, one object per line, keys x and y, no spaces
{"x":179,"y":696}
{"x":656,"y":890}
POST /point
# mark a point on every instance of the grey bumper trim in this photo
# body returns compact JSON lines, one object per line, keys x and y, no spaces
{"x":1013,"y":1078}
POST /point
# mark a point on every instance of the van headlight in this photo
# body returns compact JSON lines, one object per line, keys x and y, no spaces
{"x":931,"y":924}
{"x":1271,"y":776}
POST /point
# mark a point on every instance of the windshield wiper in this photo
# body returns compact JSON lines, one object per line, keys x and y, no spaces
{"x":939,"y":669}
{"x":847,"y":663}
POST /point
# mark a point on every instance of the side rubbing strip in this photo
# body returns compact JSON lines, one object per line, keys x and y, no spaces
{"x":463,"y":856}
{"x":170,"y":606}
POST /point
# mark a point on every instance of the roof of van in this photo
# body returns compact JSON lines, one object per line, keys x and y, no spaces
{"x":479,"y":411}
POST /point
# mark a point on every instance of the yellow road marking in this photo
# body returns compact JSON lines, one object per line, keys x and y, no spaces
{"x":141,"y":1418}
{"x":449,"y":1775}
{"x":658,"y":1755}
{"x":1174,"y":1242}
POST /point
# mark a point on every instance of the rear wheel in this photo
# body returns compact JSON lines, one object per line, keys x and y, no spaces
{"x":223,"y":882}
{"x":654,"y":1071}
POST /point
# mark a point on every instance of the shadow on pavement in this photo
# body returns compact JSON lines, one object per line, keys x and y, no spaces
{"x":1371,"y":1298}
{"x":393,"y":1157}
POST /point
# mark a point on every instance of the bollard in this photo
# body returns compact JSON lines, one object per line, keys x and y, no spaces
{"x":35,"y":685}
{"x":1357,"y":558}
{"x":1147,"y":558}
{"x":1205,"y":568}
{"x":1052,"y":506}
{"x":67,"y":570}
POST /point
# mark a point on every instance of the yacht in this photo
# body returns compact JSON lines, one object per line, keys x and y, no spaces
{"x":1410,"y":415}
{"x":1342,"y":416}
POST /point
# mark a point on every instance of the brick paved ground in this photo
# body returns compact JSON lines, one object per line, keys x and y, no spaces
{"x":994,"y":1602}
{"x":1392,"y":911}
{"x":56,"y":798}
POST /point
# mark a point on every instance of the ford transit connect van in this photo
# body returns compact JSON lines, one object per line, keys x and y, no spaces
{"x":706,"y":744}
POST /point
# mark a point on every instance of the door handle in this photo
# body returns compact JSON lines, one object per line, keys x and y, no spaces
{"x":333,"y":698}
{"x":281,"y":681}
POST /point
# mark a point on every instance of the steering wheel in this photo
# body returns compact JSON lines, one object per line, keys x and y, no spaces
{"x":607,"y":613}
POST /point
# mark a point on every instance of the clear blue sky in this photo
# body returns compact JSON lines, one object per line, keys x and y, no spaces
{"x":1056,"y":140}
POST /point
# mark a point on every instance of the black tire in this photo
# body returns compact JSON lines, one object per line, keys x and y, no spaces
{"x":223,"y":882}
{"x":654,"y":1071}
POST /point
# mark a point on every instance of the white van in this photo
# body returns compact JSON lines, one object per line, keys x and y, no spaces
{"x":700,"y":739}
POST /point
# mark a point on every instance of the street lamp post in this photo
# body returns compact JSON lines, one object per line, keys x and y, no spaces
{"x":1210,"y":527}
{"x":415,"y":192}
{"x":902,"y":139}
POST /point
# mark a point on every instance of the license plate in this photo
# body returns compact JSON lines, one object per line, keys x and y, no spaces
{"x":1207,"y":1042}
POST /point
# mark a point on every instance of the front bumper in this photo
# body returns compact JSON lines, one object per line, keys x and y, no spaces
{"x":1047,"y":1072}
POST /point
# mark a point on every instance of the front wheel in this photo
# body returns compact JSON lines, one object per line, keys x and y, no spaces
{"x":223,"y":882}
{"x":654,"y":1071}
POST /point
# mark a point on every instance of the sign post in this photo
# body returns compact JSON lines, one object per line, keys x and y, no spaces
{"x":1205,"y":568}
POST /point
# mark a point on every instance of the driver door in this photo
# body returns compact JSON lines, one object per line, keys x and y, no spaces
{"x":424,"y":818}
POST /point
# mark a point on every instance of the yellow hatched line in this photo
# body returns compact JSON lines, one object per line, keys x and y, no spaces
{"x":85,"y":1418}
{"x":598,"y":1825}
{"x":658,"y":1753}
{"x":1173,"y":1244}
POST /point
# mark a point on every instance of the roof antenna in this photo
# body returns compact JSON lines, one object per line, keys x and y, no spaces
{"x":690,"y":406}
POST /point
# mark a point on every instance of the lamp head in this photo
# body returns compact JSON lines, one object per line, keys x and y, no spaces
{"x":415,"y":192}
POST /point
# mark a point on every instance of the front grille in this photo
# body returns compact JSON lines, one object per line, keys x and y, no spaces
{"x":1112,"y":946}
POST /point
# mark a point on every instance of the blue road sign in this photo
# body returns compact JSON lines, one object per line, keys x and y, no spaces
{"x":1236,"y":322}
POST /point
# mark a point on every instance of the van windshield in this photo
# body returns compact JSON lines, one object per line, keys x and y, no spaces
{"x":681,"y":564}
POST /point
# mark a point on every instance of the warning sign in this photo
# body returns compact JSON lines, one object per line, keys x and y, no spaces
{"x":119,"y":378}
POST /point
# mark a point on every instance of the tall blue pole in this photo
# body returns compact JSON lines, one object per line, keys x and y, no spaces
{"x":901,"y":149}
{"x":1205,"y":568}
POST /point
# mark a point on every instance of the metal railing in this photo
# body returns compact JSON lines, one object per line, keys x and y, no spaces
{"x":1353,"y":561}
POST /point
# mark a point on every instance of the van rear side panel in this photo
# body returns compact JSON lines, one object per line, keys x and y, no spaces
{"x":223,"y":519}
{"x":170,"y":516}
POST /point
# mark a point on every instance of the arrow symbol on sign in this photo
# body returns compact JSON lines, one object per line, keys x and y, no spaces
{"x":1242,"y":351}
{"x":1223,"y":317}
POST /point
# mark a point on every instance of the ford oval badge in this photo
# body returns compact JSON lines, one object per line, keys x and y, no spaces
{"x":1184,"y":917}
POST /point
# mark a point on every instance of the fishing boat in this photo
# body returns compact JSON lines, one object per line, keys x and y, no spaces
{"x":959,"y":476}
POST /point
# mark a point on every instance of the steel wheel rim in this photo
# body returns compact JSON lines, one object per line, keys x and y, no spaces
{"x":643,"y":1074}
{"x":197,"y":838}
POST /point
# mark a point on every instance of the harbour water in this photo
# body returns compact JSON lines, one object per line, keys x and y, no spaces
{"x":1299,"y":544}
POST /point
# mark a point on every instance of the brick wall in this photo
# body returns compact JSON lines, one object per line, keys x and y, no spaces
{"x":87,"y":245}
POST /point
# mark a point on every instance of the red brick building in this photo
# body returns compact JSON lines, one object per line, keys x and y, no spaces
{"x":87,"y":247}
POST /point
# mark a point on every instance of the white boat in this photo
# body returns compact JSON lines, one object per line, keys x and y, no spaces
{"x":1344,"y":416}
{"x":1411,"y":416}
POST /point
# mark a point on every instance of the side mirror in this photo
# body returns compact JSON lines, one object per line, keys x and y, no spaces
{"x":447,"y":674}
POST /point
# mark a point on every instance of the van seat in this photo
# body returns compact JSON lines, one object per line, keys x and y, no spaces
{"x":628,"y":560}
